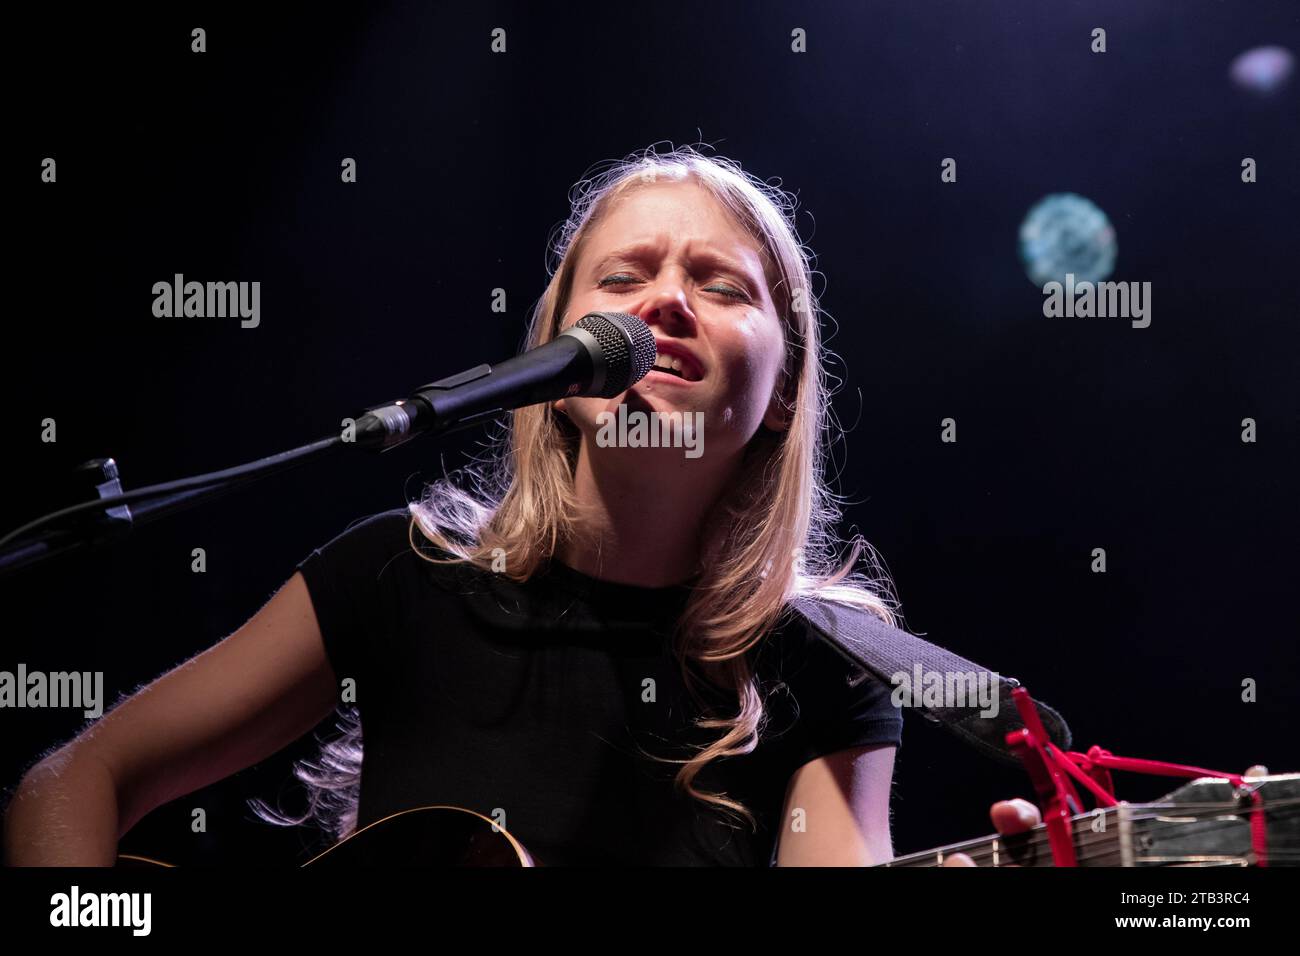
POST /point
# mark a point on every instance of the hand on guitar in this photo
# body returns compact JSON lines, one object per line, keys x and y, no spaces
{"x":1009,"y":816}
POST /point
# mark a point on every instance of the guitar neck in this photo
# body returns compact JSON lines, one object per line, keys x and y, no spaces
{"x":1204,"y":823}
{"x":1099,"y":840}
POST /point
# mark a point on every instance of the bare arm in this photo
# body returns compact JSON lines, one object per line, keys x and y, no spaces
{"x":844,"y":799}
{"x":250,"y":695}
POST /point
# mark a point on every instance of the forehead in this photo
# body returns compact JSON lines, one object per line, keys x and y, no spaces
{"x":671,"y":214}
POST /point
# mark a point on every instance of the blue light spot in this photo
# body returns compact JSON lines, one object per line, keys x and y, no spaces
{"x":1263,"y":70}
{"x":1067,"y":233}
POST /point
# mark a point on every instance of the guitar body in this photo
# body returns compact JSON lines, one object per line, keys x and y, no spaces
{"x":427,"y":836}
{"x":424,"y":836}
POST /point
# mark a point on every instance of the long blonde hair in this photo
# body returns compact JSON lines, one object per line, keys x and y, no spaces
{"x":769,"y":539}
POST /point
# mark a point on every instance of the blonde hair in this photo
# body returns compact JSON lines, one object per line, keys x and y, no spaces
{"x":769,"y":539}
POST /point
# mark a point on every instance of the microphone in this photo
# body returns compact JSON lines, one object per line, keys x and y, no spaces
{"x":602,"y":355}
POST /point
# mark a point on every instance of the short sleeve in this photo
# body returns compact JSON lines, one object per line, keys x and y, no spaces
{"x":860,"y":716}
{"x":841,"y":705}
{"x":351,"y":593}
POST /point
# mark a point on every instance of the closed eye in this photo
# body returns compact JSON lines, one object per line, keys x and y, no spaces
{"x":623,"y":279}
{"x":728,"y":291}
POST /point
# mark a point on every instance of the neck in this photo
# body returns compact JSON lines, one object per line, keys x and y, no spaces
{"x":640,"y":518}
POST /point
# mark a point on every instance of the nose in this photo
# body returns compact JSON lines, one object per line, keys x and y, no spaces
{"x":668,"y":308}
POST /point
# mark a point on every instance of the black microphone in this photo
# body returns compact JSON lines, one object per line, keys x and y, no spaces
{"x":602,"y":355}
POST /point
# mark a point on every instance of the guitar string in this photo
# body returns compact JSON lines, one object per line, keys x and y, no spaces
{"x":1039,"y":842}
{"x":1202,"y":811}
{"x":1041,"y":849}
{"x":1038,"y":838}
{"x":1040,"y":846}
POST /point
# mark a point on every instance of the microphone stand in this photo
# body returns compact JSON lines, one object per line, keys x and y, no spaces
{"x":113,"y":513}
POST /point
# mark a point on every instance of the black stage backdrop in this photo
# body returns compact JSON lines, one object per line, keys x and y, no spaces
{"x":1073,"y":434}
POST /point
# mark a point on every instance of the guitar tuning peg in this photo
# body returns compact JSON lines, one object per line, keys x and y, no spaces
{"x":1258,"y":770}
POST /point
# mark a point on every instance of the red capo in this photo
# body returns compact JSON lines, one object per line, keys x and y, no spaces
{"x":1051,"y":768}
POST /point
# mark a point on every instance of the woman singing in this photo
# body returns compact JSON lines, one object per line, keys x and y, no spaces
{"x":590,"y":642}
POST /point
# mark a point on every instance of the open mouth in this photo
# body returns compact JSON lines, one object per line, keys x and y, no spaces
{"x":676,"y":366}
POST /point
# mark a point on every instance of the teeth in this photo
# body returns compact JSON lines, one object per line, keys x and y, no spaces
{"x":670,"y":362}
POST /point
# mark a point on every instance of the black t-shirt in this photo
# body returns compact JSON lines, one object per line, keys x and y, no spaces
{"x":481,"y":692}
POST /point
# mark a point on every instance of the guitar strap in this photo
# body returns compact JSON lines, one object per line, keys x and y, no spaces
{"x":868,"y":642}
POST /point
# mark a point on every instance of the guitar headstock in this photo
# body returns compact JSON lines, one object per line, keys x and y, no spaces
{"x":1208,"y":822}
{"x":1216,"y":790}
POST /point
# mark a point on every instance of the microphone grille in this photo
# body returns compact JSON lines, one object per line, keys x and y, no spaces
{"x":628,"y":345}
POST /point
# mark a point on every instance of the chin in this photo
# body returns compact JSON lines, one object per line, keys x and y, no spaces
{"x":648,"y":397}
{"x":648,"y":426}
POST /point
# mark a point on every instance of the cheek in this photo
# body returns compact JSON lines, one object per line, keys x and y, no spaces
{"x":758,"y":349}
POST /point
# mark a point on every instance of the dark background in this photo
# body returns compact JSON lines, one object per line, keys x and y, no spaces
{"x":1073,"y":433}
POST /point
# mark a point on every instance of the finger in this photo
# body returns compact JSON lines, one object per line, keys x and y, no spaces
{"x":958,"y":859}
{"x":1014,"y":816}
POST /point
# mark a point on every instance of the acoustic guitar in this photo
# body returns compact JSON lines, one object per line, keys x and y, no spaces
{"x":1206,"y":822}
{"x":421,"y":836}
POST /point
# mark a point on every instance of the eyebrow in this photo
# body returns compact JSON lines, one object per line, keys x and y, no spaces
{"x":642,"y":252}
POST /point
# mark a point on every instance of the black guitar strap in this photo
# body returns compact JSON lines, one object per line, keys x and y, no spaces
{"x":871,"y":644}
